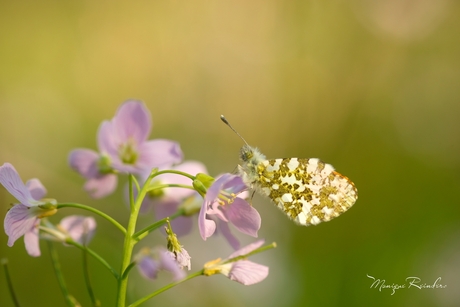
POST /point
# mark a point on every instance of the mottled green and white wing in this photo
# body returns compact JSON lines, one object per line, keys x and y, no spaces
{"x":308,"y":191}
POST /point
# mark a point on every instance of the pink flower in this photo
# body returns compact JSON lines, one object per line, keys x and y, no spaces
{"x":123,"y":147}
{"x":222,"y":204}
{"x":243,"y":271}
{"x":80,"y":228}
{"x":23,"y":219}
{"x":150,"y":262}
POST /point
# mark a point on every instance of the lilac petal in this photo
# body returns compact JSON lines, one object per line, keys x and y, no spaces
{"x":10,"y":179}
{"x":215,"y":209}
{"x":159,"y":153}
{"x":248,"y":272}
{"x":107,"y":140}
{"x":148,"y":267}
{"x":243,"y":216}
{"x":235,"y":185}
{"x":217,"y":186}
{"x":31,"y":241}
{"x":132,"y":121}
{"x":183,"y":259}
{"x":36,"y":188}
{"x":169,"y":263}
{"x":247,"y":249}
{"x":18,"y":222}
{"x":101,"y":186}
{"x":206,"y":227}
{"x":232,"y":240}
{"x":84,"y":161}
{"x":80,"y":228}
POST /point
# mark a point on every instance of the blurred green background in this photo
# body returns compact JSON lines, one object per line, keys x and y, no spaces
{"x":371,"y":87}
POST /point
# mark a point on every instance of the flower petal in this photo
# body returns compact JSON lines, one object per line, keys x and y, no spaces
{"x":148,"y":267}
{"x":235,"y":184}
{"x":79,"y":228}
{"x":18,"y":222}
{"x":225,"y":230}
{"x":84,"y":161}
{"x":158,"y":153}
{"x":206,"y":227}
{"x":36,"y":188}
{"x":217,"y":186}
{"x":107,"y":140}
{"x":10,"y":179}
{"x":169,"y":263}
{"x":247,"y":272}
{"x":243,"y":216}
{"x":132,"y":121}
{"x":101,"y":186}
{"x":31,"y":241}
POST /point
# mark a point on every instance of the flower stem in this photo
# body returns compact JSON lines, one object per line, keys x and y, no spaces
{"x":91,"y":209}
{"x":143,"y":232}
{"x":94,"y":301}
{"x":10,"y":284}
{"x":129,"y":240}
{"x":83,"y":248}
{"x":70,"y":300}
{"x":167,"y":287}
{"x":256,"y":251}
{"x":170,"y":171}
{"x":170,"y":185}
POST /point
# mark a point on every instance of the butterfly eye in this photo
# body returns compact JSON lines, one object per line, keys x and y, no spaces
{"x":246,"y":153}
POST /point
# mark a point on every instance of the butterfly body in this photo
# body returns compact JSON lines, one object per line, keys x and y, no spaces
{"x":308,"y":191}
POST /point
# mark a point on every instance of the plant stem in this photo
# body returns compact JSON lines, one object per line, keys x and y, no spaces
{"x":174,"y":172}
{"x":70,"y":300}
{"x":167,"y":287}
{"x":170,"y":185}
{"x":143,"y":232}
{"x":129,"y":240}
{"x":94,"y":301}
{"x":91,"y":209}
{"x":10,"y":284}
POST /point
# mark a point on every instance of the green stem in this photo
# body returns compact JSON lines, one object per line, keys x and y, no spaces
{"x":170,"y":185}
{"x":167,"y":287}
{"x":143,"y":232}
{"x":91,"y":209}
{"x":10,"y":284}
{"x":94,"y":301}
{"x":256,"y":251}
{"x":70,"y":300}
{"x":95,"y":255}
{"x":174,"y":172}
{"x":129,"y":240}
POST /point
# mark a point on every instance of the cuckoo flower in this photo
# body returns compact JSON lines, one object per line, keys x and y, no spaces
{"x":222,"y":204}
{"x":150,"y":262}
{"x":23,"y":219}
{"x":123,"y":147}
{"x":240,"y":269}
{"x":79,"y":228}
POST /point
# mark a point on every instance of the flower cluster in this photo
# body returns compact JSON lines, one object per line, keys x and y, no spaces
{"x":159,"y":180}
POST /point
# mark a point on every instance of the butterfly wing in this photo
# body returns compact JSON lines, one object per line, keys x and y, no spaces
{"x":308,"y":191}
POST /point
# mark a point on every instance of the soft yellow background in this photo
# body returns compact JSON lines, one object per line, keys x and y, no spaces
{"x":371,"y":87}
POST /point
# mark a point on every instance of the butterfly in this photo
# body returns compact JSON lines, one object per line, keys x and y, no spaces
{"x":308,"y":191}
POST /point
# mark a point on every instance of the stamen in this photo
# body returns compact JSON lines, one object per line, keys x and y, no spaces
{"x":127,"y":152}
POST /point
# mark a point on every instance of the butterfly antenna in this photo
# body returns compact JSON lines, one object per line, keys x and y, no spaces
{"x":222,"y":118}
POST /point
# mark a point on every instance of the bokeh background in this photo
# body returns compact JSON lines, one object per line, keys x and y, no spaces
{"x":370,"y":86}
